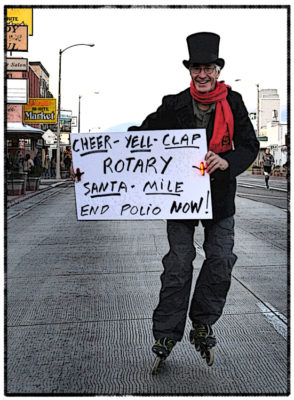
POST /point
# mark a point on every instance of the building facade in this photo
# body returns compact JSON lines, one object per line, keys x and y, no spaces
{"x":269,"y":107}
{"x":20,"y":137}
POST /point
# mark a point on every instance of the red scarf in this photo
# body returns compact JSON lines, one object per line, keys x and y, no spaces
{"x":222,"y":135}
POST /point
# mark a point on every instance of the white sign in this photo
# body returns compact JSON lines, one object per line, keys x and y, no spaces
{"x":49,"y":137}
{"x":141,"y":175}
{"x":17,"y":91}
{"x":74,"y":122}
{"x":17,"y":64}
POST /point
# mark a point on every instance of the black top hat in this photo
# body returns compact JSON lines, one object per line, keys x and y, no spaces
{"x":203,"y":49}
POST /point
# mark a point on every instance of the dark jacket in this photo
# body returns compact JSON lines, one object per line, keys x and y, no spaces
{"x":268,"y":160}
{"x":176,"y":112}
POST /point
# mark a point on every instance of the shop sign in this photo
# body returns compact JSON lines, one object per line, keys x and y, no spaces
{"x":49,"y":137}
{"x":17,"y":91}
{"x":16,"y":38}
{"x":17,"y":64}
{"x":14,"y":113}
{"x":64,"y":138}
{"x":40,"y":111}
{"x":20,"y":16}
{"x":65,"y":122}
{"x":74,"y":122}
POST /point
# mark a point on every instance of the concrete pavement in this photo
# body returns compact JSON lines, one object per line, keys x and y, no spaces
{"x":45,"y":185}
{"x":80,"y":297}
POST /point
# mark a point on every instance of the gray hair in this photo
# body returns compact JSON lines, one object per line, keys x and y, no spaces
{"x":217,"y":67}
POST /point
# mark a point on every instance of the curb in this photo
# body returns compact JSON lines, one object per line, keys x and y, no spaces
{"x":22,"y":198}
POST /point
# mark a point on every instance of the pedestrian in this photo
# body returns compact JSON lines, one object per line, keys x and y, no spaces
{"x":268,"y":161}
{"x":18,"y":162}
{"x":53,"y":167}
{"x":46,"y":166}
{"x":67,"y":162}
{"x":8,"y":163}
{"x":213,"y":105}
{"x":38,"y":160}
{"x":28,"y":163}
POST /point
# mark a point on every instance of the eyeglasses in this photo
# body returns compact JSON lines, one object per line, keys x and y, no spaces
{"x":197,"y":70}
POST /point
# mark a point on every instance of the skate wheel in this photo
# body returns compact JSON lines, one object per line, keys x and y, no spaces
{"x":209,"y":355}
{"x":192,"y":339}
{"x":156,"y":365}
{"x":203,"y":353}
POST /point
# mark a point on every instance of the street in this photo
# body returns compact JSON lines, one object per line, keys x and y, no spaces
{"x":80,"y":298}
{"x":253,"y":187}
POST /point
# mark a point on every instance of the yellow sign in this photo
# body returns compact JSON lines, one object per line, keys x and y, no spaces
{"x":20,"y":16}
{"x":40,"y":111}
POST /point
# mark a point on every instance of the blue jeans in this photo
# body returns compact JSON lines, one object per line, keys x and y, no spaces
{"x":47,"y":173}
{"x":213,"y":283}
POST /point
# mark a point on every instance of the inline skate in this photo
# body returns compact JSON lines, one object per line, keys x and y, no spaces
{"x":162,"y":348}
{"x":204,"y":340}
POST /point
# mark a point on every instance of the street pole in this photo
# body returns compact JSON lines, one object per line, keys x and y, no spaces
{"x":59,"y":106}
{"x":58,"y":121}
{"x":79,"y":123}
{"x":257,"y":111}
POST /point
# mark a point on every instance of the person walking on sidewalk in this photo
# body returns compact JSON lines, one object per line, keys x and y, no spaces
{"x":18,"y":162}
{"x":268,"y":161}
{"x":28,"y":163}
{"x":53,"y":167}
{"x":213,"y":105}
{"x":38,"y":160}
{"x":46,"y":166}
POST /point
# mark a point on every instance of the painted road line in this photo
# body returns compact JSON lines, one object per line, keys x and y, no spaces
{"x":274,"y":318}
{"x":247,"y":185}
{"x":258,"y":195}
{"x":272,"y":315}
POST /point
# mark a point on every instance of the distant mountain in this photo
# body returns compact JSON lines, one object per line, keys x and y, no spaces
{"x":121,"y":127}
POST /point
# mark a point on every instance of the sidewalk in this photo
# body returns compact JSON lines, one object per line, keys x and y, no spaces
{"x":81,"y":296}
{"x":45,"y":184}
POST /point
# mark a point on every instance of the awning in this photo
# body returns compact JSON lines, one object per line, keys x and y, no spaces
{"x":23,"y":131}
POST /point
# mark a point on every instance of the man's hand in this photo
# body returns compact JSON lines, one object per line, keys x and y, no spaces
{"x":214,"y":162}
{"x":72,"y":174}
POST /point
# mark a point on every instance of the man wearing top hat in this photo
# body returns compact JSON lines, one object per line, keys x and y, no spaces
{"x":210,"y":104}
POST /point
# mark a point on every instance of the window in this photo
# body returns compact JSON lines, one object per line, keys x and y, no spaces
{"x":25,"y":144}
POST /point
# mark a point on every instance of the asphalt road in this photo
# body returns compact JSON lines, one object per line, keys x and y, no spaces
{"x":80,"y":297}
{"x":253,"y":187}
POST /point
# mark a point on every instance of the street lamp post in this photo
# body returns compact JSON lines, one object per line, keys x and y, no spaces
{"x":59,"y":106}
{"x":257,"y":107}
{"x":79,"y":116}
{"x":258,"y":111}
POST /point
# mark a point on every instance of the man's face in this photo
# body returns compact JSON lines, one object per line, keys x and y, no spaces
{"x":204,"y":77}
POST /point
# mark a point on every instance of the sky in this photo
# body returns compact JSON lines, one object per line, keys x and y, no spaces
{"x":138,"y":54}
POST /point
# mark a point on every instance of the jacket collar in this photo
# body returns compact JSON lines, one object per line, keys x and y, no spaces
{"x":184,"y":110}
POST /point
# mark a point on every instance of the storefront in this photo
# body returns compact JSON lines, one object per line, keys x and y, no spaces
{"x":23,"y":138}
